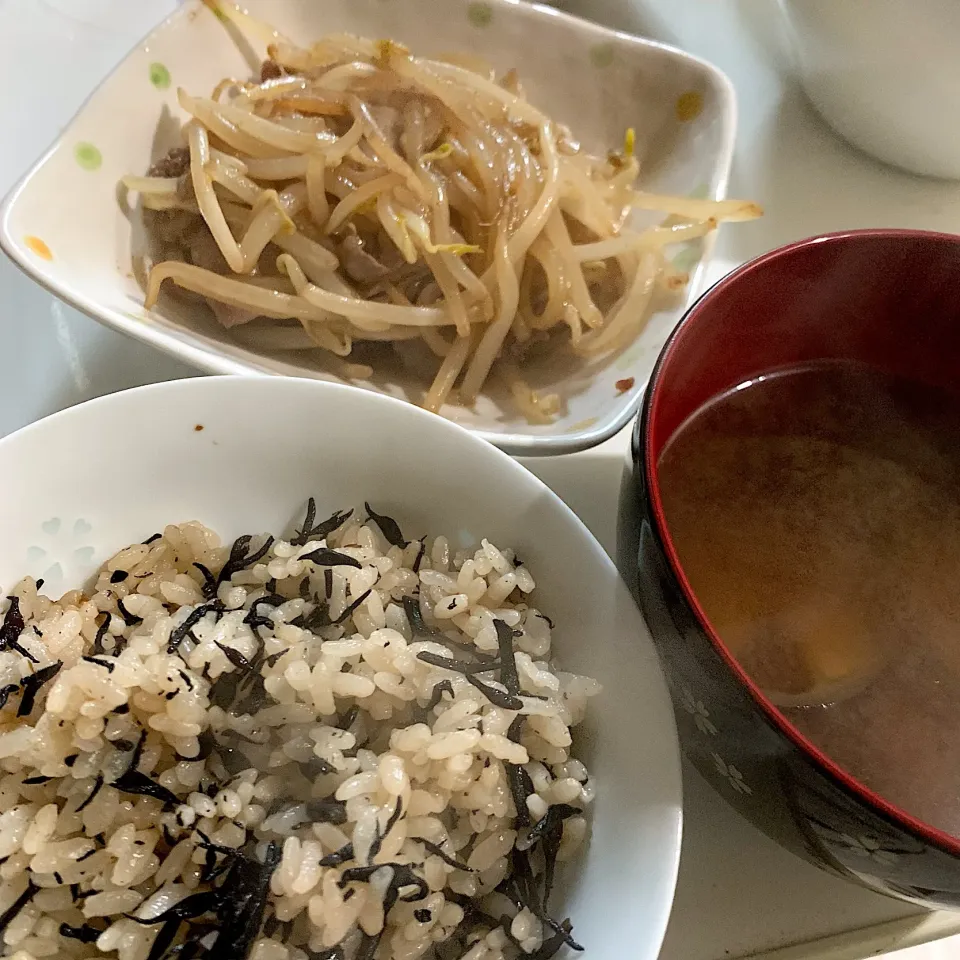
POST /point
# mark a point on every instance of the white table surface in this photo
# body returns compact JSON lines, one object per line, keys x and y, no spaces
{"x":739,"y":895}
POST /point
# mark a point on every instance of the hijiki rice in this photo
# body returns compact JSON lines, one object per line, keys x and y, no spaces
{"x":340,"y":745}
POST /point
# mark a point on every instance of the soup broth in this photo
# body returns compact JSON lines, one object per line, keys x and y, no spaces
{"x":816,"y":514}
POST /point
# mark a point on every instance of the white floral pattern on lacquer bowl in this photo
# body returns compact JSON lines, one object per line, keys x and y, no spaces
{"x":65,"y":227}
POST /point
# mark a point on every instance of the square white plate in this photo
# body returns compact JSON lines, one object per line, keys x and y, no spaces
{"x":64,"y":224}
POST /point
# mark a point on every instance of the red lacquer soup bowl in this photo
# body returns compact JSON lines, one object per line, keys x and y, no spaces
{"x":887,"y":298}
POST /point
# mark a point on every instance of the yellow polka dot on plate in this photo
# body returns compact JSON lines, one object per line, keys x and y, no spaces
{"x":689,"y":106}
{"x":36,"y":246}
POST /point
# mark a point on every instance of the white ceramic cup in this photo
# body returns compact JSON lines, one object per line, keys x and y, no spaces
{"x":885,"y":74}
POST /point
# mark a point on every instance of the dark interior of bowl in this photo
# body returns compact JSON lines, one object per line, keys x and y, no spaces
{"x":889,"y":299}
{"x":870,"y":307}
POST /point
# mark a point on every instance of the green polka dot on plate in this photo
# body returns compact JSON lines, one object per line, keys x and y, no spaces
{"x":480,"y":14}
{"x":602,"y":55}
{"x":159,"y":76}
{"x":88,"y":156}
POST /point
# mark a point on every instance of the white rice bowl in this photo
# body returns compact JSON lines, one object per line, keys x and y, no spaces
{"x":366,"y":767}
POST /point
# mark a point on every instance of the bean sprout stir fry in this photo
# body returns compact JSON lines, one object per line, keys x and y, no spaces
{"x":365,"y":201}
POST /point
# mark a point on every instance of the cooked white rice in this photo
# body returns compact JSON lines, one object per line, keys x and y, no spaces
{"x":372,"y":811}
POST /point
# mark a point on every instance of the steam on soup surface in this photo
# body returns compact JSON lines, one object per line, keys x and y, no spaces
{"x":816,"y":513}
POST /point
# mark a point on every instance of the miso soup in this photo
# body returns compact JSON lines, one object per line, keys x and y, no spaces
{"x":816,"y":513}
